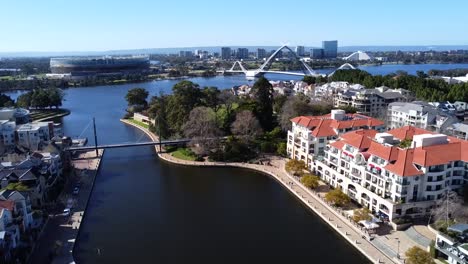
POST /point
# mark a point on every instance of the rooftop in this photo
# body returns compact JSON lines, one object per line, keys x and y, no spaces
{"x":325,"y":125}
{"x":428,"y":149}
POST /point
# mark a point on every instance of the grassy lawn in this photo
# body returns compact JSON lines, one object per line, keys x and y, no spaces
{"x":184,"y":154}
{"x":138,"y":123}
{"x":6,"y":78}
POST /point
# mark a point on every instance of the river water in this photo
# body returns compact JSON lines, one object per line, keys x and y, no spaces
{"x":143,"y":210}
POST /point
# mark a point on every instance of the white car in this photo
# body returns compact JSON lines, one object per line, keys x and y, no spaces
{"x":66,"y":212}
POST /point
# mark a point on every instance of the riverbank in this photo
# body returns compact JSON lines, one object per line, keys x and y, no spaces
{"x":312,"y":200}
{"x":56,"y":245}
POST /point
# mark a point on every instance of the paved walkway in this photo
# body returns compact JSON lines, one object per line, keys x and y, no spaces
{"x":336,"y":220}
{"x":423,"y":241}
{"x":66,"y":228}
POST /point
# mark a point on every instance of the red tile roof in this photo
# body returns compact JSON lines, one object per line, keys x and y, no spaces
{"x":360,"y":139}
{"x":403,"y":165}
{"x":382,"y":151}
{"x":407,"y":132}
{"x":338,"y":144}
{"x":323,"y":126}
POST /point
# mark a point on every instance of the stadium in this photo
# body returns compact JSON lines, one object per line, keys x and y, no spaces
{"x":102,"y":64}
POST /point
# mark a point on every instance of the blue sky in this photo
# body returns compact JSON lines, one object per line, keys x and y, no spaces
{"x":96,"y":25}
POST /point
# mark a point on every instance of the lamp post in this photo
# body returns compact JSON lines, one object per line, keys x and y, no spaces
{"x":398,"y":248}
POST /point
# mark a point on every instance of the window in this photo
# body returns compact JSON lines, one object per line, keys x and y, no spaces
{"x":321,"y":140}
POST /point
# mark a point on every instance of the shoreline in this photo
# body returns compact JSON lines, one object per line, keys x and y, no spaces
{"x":351,"y":233}
{"x":58,"y":240}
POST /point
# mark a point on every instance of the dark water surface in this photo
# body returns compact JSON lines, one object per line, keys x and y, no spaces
{"x":143,"y":210}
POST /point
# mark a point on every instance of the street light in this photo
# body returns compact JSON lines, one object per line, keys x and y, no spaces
{"x":398,"y":248}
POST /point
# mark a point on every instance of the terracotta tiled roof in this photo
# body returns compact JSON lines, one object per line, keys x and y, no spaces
{"x":407,"y":132}
{"x":382,"y":151}
{"x":7,"y":204}
{"x":360,"y":139}
{"x":440,"y":154}
{"x":338,"y":144}
{"x":404,"y":166}
{"x":323,"y":126}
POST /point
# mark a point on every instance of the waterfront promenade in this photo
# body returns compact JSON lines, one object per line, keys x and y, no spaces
{"x":61,"y":231}
{"x":312,"y":200}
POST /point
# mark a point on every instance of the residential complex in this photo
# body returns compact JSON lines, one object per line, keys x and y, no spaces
{"x":395,"y":174}
{"x":310,"y":135}
{"x":372,"y":102}
{"x":30,"y":167}
{"x":419,"y":114}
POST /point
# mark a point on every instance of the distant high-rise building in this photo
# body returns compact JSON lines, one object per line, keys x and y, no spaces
{"x":225,"y":53}
{"x":185,"y":53}
{"x":242,"y":53}
{"x":316,"y":53}
{"x":300,"y":51}
{"x":261,"y":53}
{"x":330,"y":49}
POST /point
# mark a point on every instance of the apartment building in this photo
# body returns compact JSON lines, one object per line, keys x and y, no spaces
{"x":310,"y":134}
{"x":398,"y":173}
{"x":31,"y":135}
{"x":419,"y":114}
{"x":372,"y":102}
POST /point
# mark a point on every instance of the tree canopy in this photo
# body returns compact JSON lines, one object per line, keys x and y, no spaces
{"x":416,"y":255}
{"x":137,"y":96}
{"x":362,"y":214}
{"x":41,"y":98}
{"x":295,"y":167}
{"x":310,"y":181}
{"x":337,"y":197}
{"x":263,"y":94}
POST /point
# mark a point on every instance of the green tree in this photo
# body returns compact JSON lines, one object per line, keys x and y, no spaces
{"x":263,"y":93}
{"x":56,"y":96}
{"x":295,"y":167}
{"x":281,"y":149}
{"x":157,"y":111}
{"x":6,"y":101}
{"x":24,"y":100}
{"x":40,"y":98}
{"x":362,"y":214}
{"x":310,"y":181}
{"x":211,"y":97}
{"x":416,"y":255}
{"x":337,"y":197}
{"x":309,"y":79}
{"x":137,"y":96}
{"x":185,"y":96}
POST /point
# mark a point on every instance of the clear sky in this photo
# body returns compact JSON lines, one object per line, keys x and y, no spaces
{"x":97,"y":25}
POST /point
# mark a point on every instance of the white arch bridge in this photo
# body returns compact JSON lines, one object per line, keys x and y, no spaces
{"x":265,"y":67}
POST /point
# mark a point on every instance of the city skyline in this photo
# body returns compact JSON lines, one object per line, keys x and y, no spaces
{"x":55,"y":26}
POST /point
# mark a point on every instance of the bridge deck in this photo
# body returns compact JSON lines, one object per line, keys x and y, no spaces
{"x":123,"y":145}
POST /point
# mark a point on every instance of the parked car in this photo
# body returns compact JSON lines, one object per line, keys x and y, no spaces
{"x":66,"y":212}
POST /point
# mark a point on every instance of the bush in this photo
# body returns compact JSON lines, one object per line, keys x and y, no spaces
{"x":281,"y":149}
{"x":267,"y":147}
